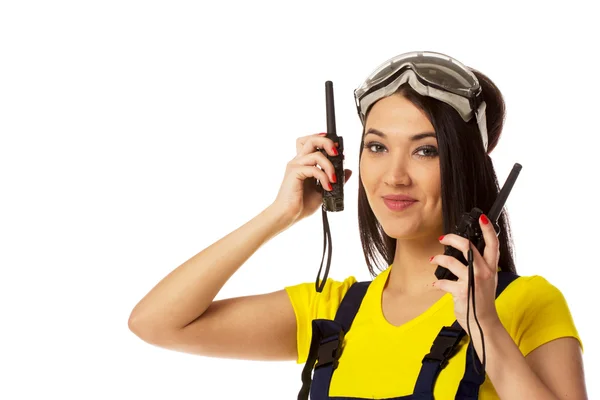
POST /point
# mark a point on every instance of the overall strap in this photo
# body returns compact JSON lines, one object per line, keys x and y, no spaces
{"x":446,"y":345}
{"x":326,"y":344}
{"x":350,"y":304}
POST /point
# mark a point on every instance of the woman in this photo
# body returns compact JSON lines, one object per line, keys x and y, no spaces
{"x":424,"y":141}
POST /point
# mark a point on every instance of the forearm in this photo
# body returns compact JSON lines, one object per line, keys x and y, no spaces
{"x":506,"y":367}
{"x":185,"y":293}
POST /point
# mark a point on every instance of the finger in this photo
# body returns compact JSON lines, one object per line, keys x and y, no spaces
{"x":317,"y":143}
{"x":455,"y":266}
{"x":303,"y":139}
{"x":310,"y":144}
{"x":463,"y":244}
{"x":303,"y":172}
{"x":317,"y":159}
{"x":458,"y":289}
{"x":491,"y":252}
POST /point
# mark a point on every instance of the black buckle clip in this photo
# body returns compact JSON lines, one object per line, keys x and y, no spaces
{"x":444,"y":346}
{"x":330,"y":351}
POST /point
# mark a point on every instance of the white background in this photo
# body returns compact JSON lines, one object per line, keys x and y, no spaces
{"x":134,"y":134}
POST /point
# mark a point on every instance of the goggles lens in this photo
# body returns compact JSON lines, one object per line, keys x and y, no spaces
{"x":430,"y":74}
{"x":435,"y":69}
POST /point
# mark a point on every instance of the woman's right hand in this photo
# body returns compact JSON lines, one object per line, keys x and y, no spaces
{"x":299,"y":195}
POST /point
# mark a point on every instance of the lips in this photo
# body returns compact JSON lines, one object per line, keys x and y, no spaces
{"x":398,"y":197}
{"x":397,"y":205}
{"x":398,"y":202}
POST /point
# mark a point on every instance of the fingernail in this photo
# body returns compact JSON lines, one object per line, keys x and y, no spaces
{"x":484,"y":219}
{"x":431,"y":258}
{"x":337,"y":144}
{"x":441,"y":237}
{"x":335,"y":152}
{"x":333,"y":178}
{"x":323,"y":134}
{"x":329,"y":185}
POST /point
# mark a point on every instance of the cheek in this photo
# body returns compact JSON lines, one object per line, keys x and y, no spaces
{"x":370,"y":175}
{"x":366,"y":173}
{"x":432,"y":185}
{"x":369,"y":178}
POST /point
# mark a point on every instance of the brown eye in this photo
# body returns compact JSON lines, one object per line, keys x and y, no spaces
{"x":429,"y":151}
{"x":369,"y":146}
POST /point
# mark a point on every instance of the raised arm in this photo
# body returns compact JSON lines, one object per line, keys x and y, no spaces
{"x":180,"y":313}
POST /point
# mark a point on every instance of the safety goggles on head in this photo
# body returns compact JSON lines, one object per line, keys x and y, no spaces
{"x":429,"y":74}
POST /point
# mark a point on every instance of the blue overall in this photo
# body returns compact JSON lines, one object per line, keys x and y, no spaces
{"x":325,"y":350}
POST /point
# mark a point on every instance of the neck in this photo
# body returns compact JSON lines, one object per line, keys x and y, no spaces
{"x":412,"y":274}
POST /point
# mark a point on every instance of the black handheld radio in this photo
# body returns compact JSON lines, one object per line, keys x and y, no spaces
{"x":469,"y":228}
{"x":333,"y":200}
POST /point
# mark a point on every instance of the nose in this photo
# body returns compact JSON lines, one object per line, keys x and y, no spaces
{"x":397,"y":173}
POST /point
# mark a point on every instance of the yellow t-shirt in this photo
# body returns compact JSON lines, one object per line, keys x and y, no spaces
{"x":381,"y":360}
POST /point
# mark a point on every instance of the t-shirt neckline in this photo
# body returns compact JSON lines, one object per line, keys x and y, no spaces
{"x":379,"y":318}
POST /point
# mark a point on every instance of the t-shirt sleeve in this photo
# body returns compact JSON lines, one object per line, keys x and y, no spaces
{"x":546,"y":316}
{"x":309,"y":304}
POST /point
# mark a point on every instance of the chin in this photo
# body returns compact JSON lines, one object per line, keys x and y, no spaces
{"x":406,"y":229}
{"x":399,"y":230}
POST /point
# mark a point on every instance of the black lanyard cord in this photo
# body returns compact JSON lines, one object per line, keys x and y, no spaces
{"x":471,"y":290}
{"x":326,"y":242}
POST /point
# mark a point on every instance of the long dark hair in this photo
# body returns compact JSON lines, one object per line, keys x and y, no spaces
{"x":467,"y":174}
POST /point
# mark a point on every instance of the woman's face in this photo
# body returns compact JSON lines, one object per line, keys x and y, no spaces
{"x":400,"y":156}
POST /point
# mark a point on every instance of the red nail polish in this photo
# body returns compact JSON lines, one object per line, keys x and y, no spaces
{"x":484,"y":219}
{"x":333,"y":178}
{"x":335,"y":152}
{"x":329,"y":185}
{"x":441,"y":237}
{"x":431,"y":258}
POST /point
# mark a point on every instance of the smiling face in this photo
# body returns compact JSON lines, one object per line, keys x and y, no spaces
{"x":400,"y":156}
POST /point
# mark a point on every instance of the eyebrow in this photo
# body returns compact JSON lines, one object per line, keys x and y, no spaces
{"x":413,"y":138}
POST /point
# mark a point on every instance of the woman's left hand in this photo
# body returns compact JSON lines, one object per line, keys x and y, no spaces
{"x":485,"y":272}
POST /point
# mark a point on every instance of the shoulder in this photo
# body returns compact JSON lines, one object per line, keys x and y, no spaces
{"x":321,"y":304}
{"x":535,"y":311}
{"x":308,"y":304}
{"x":531,"y":290}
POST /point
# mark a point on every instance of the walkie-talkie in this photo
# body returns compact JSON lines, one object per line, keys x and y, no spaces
{"x":469,"y":228}
{"x":333,"y":200}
